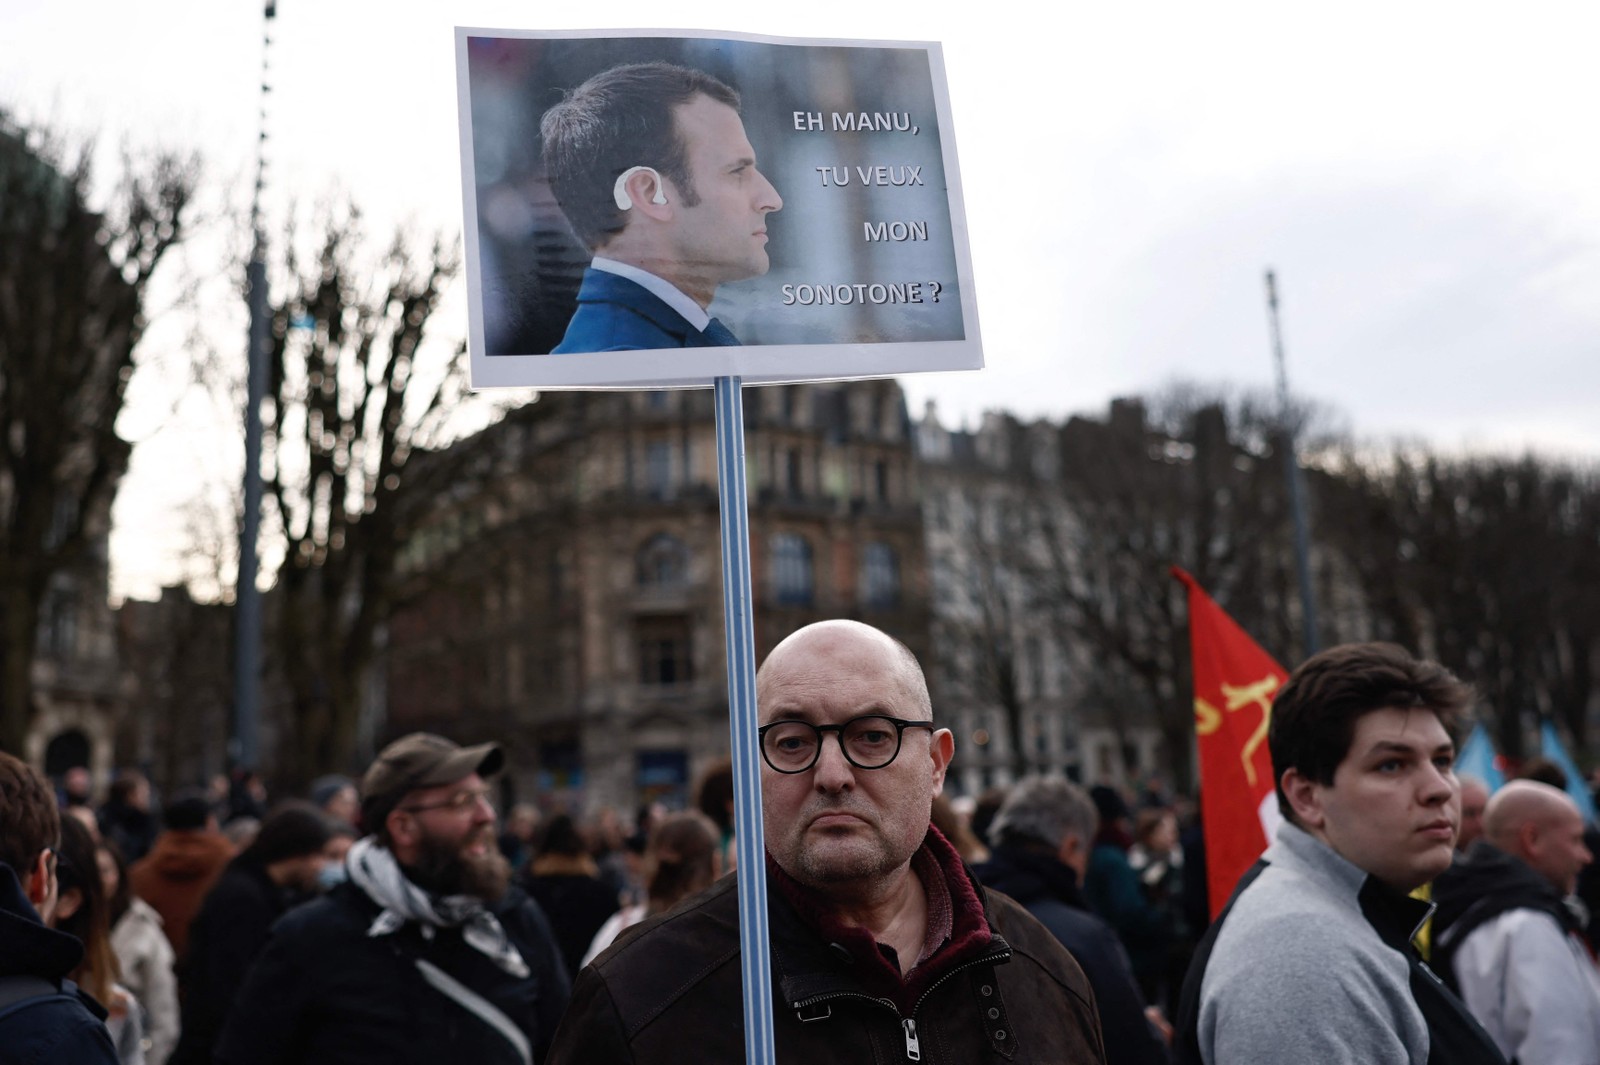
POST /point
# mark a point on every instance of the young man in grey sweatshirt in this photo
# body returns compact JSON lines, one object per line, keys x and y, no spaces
{"x":1312,"y":960}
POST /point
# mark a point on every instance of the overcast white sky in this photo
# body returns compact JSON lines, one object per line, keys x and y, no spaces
{"x":1424,"y":177}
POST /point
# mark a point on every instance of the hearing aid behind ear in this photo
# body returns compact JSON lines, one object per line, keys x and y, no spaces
{"x":619,"y":191}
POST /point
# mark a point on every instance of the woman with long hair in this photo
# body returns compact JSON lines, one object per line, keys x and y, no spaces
{"x":143,"y":954}
{"x":82,"y":911}
{"x":681,"y":859}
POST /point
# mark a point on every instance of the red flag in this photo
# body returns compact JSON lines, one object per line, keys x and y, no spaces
{"x":1234,"y":683}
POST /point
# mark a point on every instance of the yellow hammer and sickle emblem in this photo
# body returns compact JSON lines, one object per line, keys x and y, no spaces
{"x":1207,"y":718}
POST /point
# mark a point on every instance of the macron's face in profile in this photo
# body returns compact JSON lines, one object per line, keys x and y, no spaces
{"x":723,"y":237}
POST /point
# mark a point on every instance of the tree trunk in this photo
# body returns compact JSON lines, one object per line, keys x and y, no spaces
{"x":16,"y":669}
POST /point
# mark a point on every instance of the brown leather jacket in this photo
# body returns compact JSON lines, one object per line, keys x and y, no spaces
{"x":670,"y":991}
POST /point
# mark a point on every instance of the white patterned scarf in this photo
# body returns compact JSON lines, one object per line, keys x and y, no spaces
{"x":374,"y":870}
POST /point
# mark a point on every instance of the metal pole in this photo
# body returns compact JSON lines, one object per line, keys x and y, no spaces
{"x":245,"y":744}
{"x":739,"y":631}
{"x":1291,"y":469}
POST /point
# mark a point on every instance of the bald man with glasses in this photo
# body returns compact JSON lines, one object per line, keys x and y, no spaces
{"x":884,"y":948}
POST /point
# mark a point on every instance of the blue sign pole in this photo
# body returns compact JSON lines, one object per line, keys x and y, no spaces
{"x":739,"y":631}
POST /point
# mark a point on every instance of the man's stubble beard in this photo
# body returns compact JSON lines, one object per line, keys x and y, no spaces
{"x":818,"y":862}
{"x":818,"y":869}
{"x":444,"y":870}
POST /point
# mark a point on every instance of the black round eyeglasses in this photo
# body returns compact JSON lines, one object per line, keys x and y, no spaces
{"x":869,"y":742}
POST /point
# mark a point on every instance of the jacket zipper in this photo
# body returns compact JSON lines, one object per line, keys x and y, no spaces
{"x":1000,"y":955}
{"x":833,"y":995}
{"x":907,"y":1024}
{"x":913,"y":1045}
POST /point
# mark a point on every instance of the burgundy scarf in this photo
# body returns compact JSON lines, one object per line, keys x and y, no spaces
{"x":958,"y":904}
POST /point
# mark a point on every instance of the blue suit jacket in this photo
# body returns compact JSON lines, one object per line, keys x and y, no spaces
{"x":616,"y":314}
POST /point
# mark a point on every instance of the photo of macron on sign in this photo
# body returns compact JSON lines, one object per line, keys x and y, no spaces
{"x":658,"y":209}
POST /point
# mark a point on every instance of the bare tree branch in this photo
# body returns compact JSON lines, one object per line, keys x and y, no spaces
{"x":73,"y":282}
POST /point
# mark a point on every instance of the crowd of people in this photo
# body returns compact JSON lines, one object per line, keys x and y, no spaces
{"x":399,"y":917}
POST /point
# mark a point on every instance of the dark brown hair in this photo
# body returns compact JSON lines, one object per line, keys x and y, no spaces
{"x":1544,"y":770}
{"x":29,"y":820}
{"x":1147,"y":821}
{"x":714,"y":796}
{"x":560,"y":835}
{"x":122,"y":898}
{"x":78,"y":870}
{"x":1314,"y":715}
{"x":678,"y":861}
{"x":953,"y":828}
{"x":294,"y":829}
{"x":620,"y":118}
{"x":125,"y":785}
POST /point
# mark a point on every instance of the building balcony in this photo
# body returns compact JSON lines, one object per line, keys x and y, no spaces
{"x":669,"y":598}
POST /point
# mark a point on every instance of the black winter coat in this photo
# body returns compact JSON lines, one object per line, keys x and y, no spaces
{"x":324,"y":992}
{"x":670,"y":991}
{"x":232,"y":926}
{"x":47,"y":1020}
{"x":1049,"y":891}
{"x":577,"y":905}
{"x":1480,"y":886}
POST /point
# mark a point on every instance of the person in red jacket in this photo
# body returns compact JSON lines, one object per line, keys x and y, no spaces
{"x":180,"y":869}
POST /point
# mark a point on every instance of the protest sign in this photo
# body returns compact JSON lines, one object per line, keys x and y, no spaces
{"x":763,"y":208}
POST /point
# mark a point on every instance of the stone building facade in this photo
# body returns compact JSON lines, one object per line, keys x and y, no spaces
{"x":78,"y":687}
{"x":568,"y":602}
{"x":177,"y":658}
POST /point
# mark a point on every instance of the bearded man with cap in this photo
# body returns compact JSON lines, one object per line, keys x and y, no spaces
{"x":426,"y":953}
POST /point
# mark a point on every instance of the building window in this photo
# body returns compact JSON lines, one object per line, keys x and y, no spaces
{"x":663,"y":562}
{"x":1105,"y":759}
{"x":1033,"y":657}
{"x":658,"y":470}
{"x":556,"y":578}
{"x":941,"y":582}
{"x":880,"y":481}
{"x":664,"y":651}
{"x":560,"y":765}
{"x":791,"y":471}
{"x":62,"y":521}
{"x":663,"y":776}
{"x":791,"y":570}
{"x":58,"y":625}
{"x":880,"y":576}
